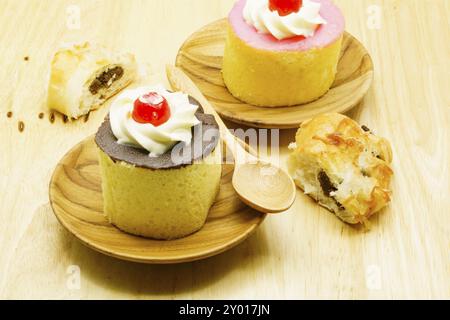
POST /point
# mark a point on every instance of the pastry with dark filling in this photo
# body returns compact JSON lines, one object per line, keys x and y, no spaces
{"x":160,"y":159}
{"x":343,"y":166}
{"x":83,"y":77}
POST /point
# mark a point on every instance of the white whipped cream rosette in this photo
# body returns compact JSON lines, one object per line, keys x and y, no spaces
{"x":301,"y":23}
{"x":157,"y":140}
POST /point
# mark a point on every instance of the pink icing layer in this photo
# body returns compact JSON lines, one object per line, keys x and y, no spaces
{"x":324,"y":35}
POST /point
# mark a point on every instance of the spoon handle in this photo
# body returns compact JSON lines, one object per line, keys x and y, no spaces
{"x":181,"y":82}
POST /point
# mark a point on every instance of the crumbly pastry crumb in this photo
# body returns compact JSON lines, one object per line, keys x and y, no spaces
{"x":343,"y":166}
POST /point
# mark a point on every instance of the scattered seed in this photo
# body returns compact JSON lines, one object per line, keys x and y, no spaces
{"x":21,"y":126}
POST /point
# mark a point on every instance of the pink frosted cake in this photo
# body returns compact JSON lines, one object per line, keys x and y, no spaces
{"x":282,"y":52}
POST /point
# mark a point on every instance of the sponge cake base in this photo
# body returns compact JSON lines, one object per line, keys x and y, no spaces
{"x":278,"y":78}
{"x":161,"y":204}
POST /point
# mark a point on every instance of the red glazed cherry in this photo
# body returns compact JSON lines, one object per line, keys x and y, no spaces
{"x":151,"y":108}
{"x":285,"y":7}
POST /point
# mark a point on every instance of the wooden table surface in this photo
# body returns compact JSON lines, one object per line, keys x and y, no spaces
{"x":304,"y":253}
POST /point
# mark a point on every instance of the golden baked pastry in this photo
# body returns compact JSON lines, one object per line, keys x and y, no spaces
{"x":343,"y":166}
{"x":83,"y":77}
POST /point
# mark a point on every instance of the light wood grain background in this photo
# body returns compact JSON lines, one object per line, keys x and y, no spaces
{"x":305,"y":253}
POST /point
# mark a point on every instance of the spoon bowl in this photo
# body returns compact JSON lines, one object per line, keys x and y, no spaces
{"x":264,"y":187}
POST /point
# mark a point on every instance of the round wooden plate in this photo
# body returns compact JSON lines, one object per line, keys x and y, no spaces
{"x":76,"y":199}
{"x":201,"y":58}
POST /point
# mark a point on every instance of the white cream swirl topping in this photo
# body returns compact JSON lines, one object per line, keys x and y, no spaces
{"x":157,"y":140}
{"x":301,"y":23}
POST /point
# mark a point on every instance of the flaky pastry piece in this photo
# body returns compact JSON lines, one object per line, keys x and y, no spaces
{"x":343,"y":166}
{"x":83,"y":77}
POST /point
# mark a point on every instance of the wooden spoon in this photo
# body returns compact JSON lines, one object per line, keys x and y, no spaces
{"x":261,"y":185}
